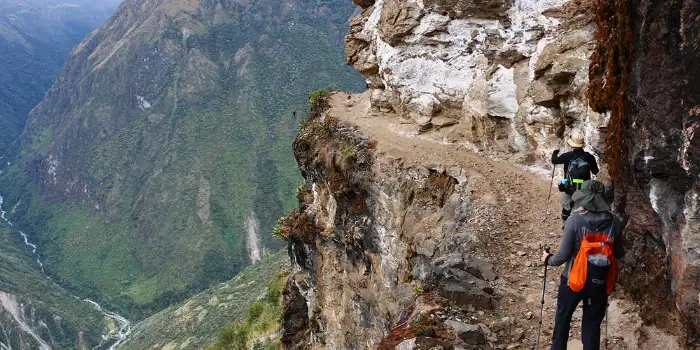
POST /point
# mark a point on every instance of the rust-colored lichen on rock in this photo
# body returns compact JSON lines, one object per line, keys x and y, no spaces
{"x":440,"y":185}
{"x":300,"y":226}
{"x":421,"y":322}
{"x":609,"y":75}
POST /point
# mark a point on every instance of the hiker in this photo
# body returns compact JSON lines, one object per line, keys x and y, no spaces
{"x":591,"y":245}
{"x":578,"y":166}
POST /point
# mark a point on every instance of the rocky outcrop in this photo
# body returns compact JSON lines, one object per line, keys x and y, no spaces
{"x":513,"y":74}
{"x":371,"y":235}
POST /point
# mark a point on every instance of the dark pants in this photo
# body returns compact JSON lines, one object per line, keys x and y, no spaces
{"x":565,"y":216}
{"x":567,"y":205}
{"x":594,"y":305}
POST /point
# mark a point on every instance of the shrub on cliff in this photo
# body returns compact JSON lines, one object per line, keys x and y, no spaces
{"x":261,"y":322}
{"x":314,"y":96}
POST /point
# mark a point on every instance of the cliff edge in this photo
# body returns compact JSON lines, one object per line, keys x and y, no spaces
{"x":424,"y":210}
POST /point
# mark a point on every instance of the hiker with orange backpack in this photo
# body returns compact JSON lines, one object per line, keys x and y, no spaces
{"x":591,"y":245}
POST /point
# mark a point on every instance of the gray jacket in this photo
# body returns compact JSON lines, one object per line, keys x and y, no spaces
{"x":576,"y":227}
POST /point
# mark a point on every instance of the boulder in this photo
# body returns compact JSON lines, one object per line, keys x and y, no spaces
{"x":476,"y":100}
{"x":532,"y":113}
{"x":466,"y":291}
{"x":570,"y":41}
{"x":381,"y":100}
{"x":502,"y":101}
{"x":398,"y":19}
{"x":504,"y":324}
{"x":567,"y":64}
{"x":471,"y":334}
{"x":483,"y":270}
{"x":443,"y":122}
{"x":424,"y":106}
{"x":408,"y":344}
{"x":509,"y":58}
{"x":542,"y":94}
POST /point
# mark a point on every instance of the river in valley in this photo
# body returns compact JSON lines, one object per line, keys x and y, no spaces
{"x":113,"y":339}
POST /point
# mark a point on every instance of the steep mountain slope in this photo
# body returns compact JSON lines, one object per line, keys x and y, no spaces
{"x":196,"y":323}
{"x":35,"y":37}
{"x":159,"y":160}
{"x":34,"y":312}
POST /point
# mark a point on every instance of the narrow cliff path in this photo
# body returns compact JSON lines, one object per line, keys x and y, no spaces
{"x":509,"y":206}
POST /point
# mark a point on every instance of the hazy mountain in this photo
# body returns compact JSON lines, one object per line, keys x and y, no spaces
{"x":35,"y":38}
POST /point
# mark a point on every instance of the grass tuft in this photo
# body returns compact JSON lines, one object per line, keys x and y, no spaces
{"x":318,"y":94}
{"x":259,"y":329}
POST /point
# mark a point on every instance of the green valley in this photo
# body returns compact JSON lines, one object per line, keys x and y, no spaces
{"x":160,"y":159}
{"x":204,"y":318}
{"x":30,"y":301}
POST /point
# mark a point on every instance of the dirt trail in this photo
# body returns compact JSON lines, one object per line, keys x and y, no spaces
{"x":509,"y":205}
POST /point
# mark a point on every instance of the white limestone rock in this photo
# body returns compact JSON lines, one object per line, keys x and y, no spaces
{"x":515,"y":72}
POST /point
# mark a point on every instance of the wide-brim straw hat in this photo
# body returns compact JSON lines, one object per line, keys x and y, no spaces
{"x":576,"y":140}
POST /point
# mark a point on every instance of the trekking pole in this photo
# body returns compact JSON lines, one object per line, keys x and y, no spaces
{"x":544,"y":286}
{"x":549,"y":196}
{"x":607,"y":320}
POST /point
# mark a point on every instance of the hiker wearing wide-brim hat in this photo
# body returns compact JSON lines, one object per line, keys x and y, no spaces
{"x":591,"y":245}
{"x":576,"y":140}
{"x":578,"y":167}
{"x":592,"y":196}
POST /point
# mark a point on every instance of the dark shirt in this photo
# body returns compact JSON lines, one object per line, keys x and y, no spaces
{"x":566,"y":158}
{"x":576,"y":227}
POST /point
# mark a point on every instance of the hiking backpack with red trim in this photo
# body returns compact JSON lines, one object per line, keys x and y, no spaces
{"x":595,"y":266}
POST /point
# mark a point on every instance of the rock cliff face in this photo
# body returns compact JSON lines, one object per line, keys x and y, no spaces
{"x":403,"y":238}
{"x":661,"y":159}
{"x":375,"y":231}
{"x":513,"y":74}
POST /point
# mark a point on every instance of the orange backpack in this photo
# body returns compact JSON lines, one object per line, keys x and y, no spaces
{"x":594,"y":245}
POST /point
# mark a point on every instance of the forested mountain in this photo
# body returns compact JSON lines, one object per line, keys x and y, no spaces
{"x":160,"y":159}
